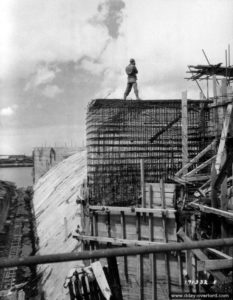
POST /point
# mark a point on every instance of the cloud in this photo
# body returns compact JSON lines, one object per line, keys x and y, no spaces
{"x":43,"y":75}
{"x":164,"y":38}
{"x":91,"y":66}
{"x":8,"y":111}
{"x":50,"y":31}
{"x":50,"y":91}
{"x":110,"y":14}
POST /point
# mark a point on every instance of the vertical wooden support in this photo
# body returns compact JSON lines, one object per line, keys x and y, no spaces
{"x":180,"y":266}
{"x":109,"y":224}
{"x":196,"y":274}
{"x":95,"y":228}
{"x":215,"y":128}
{"x":193,"y":259}
{"x":143,"y":192}
{"x":224,"y":203}
{"x":163,"y":199}
{"x":91,"y":244}
{"x":184,"y":125}
{"x":152,"y":255}
{"x":114,"y":279}
{"x":214,"y":198}
{"x":140,"y":258}
{"x":214,"y":195}
{"x":221,"y":148}
{"x":124,"y":237}
{"x":188,"y":257}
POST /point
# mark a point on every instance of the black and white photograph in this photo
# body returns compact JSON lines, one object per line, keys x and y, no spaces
{"x":116,"y":149}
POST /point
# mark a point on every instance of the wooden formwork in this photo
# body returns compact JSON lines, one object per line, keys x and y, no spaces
{"x":143,"y":276}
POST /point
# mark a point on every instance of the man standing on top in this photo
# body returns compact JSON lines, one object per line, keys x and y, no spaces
{"x":131,"y":71}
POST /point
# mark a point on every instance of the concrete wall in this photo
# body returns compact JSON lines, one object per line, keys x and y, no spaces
{"x":46,"y":157}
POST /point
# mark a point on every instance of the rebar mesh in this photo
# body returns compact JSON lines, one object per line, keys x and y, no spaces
{"x":120,"y":133}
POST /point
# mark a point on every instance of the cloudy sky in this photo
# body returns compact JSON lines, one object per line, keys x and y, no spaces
{"x":57,"y":55}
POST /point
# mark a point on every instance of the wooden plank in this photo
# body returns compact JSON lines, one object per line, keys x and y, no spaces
{"x":223,"y":204}
{"x":179,"y":180}
{"x":222,"y":143}
{"x":219,"y":253}
{"x":142,"y":170}
{"x":91,"y":245}
{"x":214,"y":194}
{"x":139,"y":259}
{"x":184,"y":126}
{"x":152,"y":255}
{"x":162,"y":190}
{"x":115,"y":241}
{"x":197,"y":157}
{"x":197,"y":178}
{"x":200,"y":167}
{"x":116,"y":229}
{"x":188,"y":256}
{"x":211,"y":210}
{"x":214,"y":198}
{"x":124,"y":237}
{"x":133,"y":210}
{"x":200,"y":255}
{"x":114,"y":278}
{"x":156,"y":194}
{"x":108,"y":224}
{"x":169,"y":187}
{"x":215,"y":264}
{"x":180,"y":267}
{"x":95,"y":228}
{"x":215,"y":103}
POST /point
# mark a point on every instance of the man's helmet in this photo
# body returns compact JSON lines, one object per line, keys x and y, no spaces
{"x":132,"y":61}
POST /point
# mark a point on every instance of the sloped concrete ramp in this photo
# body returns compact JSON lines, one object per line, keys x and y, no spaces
{"x":57,"y":216}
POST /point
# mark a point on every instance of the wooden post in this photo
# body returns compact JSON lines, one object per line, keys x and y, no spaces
{"x":152,"y":256}
{"x":215,"y":128}
{"x":163,"y":199}
{"x":140,"y":258}
{"x":114,"y":278}
{"x":224,"y":202}
{"x":180,"y":266}
{"x":184,"y":162}
{"x":188,"y":256}
{"x":91,"y":244}
{"x":214,"y":197}
{"x":95,"y":227}
{"x":221,"y":148}
{"x":200,"y":255}
{"x":21,"y":295}
{"x":143,"y":182}
{"x":124,"y":237}
{"x":109,"y":224}
{"x":184,"y":125}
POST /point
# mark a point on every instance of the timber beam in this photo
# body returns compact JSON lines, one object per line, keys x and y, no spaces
{"x":200,"y":255}
{"x":211,"y":210}
{"x":214,"y":264}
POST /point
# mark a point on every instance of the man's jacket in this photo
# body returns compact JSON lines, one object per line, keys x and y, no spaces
{"x":131,"y":71}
